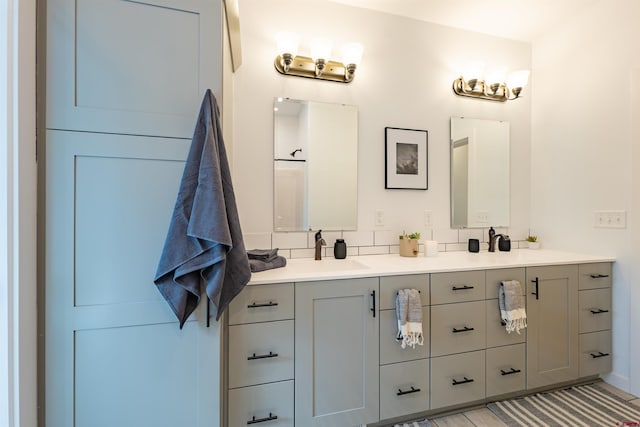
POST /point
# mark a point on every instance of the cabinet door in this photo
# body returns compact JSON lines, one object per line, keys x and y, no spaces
{"x":336,"y":346}
{"x":552,"y":336}
{"x":131,"y":67}
{"x":114,"y":353}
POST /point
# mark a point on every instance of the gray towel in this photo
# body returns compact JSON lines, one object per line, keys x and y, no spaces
{"x":266,"y":255}
{"x":204,"y":241}
{"x":409,"y":315}
{"x":512,"y":309}
{"x":259,"y":265}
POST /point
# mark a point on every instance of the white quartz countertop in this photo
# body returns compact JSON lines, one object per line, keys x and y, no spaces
{"x":302,"y":270}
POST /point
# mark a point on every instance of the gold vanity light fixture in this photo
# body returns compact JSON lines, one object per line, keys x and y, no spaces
{"x":476,"y":88}
{"x":318,"y":66}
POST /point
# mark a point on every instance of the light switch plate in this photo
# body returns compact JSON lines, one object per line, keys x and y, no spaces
{"x":610,"y":219}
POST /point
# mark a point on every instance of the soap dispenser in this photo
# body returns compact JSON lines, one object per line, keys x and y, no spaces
{"x":340,"y":249}
{"x":504,"y":243}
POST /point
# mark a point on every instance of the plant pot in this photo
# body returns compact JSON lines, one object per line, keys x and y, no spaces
{"x":534,"y":245}
{"x":409,"y":247}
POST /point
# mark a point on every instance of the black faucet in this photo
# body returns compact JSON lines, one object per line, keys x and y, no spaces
{"x":319,"y":243}
{"x":492,"y":239}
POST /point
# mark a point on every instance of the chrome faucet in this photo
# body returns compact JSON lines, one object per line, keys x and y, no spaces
{"x":319,"y":244}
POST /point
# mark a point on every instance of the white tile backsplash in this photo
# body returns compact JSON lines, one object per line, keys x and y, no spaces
{"x":373,"y":250}
{"x":358,"y":238}
{"x":295,"y":240}
{"x":375,"y":242}
{"x":385,"y":237}
{"x":257,"y":240}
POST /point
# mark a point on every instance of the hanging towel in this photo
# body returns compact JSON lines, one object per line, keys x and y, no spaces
{"x":409,"y":314}
{"x":511,"y":303}
{"x":204,"y":240}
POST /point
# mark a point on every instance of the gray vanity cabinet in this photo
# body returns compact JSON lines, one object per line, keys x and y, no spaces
{"x":336,"y":352}
{"x":552,"y":336}
{"x":595,"y":318}
{"x":260,"y":356}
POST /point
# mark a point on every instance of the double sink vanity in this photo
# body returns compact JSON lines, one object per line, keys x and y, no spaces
{"x":314,"y":343}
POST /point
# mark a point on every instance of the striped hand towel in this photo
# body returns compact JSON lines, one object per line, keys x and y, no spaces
{"x":409,"y":314}
{"x":512,"y":310}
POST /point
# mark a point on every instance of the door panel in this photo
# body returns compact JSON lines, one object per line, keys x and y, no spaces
{"x":336,"y":347}
{"x":115,"y":354}
{"x":552,"y":335}
{"x":131,"y":67}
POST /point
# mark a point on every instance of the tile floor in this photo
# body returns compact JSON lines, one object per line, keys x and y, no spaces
{"x":484,"y":418}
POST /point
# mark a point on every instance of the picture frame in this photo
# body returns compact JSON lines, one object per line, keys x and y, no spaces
{"x":406,"y":159}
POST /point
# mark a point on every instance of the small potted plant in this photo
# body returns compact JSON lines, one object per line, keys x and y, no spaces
{"x":409,"y":244}
{"x":533,"y":242}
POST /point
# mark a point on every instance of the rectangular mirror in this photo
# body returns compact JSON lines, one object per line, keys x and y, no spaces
{"x":315,"y":166}
{"x":479,"y":173}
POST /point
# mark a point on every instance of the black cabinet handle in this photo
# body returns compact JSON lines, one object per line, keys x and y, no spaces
{"x":599,"y":311}
{"x":268,"y":304}
{"x":262,"y":356}
{"x":598,"y":276}
{"x":208,"y":312}
{"x":537,"y":292}
{"x":461,"y":288}
{"x":271,"y":417}
{"x":509,"y":372}
{"x":373,"y":310}
{"x":402,"y":393}
{"x":465,"y":381}
{"x":600,"y":354}
{"x":465,"y":329}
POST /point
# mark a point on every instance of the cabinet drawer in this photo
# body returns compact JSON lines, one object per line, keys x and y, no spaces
{"x":270,"y":404}
{"x":457,"y":287}
{"x":404,"y":388}
{"x":595,"y":353}
{"x":456,"y":328}
{"x":495,"y":277}
{"x":597,"y":275}
{"x":260,"y":353}
{"x":506,"y":372}
{"x":457,"y":379}
{"x":389,"y":286}
{"x":262,"y":303}
{"x":497,"y":334}
{"x":595,"y":310}
{"x":390,"y":349}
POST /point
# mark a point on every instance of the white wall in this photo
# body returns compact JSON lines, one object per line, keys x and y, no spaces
{"x":582,"y":149}
{"x":18,"y":406}
{"x":404,"y":80}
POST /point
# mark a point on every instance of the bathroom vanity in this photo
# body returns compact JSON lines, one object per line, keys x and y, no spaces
{"x":313,"y":344}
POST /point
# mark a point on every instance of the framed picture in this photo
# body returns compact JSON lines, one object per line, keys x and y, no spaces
{"x":406,"y":159}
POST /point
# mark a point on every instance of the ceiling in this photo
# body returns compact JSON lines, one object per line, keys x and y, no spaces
{"x":520,"y":20}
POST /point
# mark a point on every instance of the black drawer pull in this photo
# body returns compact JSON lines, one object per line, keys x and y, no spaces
{"x":509,"y":372}
{"x":271,"y":417}
{"x":537,"y":292}
{"x":465,"y":381}
{"x":269,"y":304}
{"x":600,"y":354}
{"x":461,"y":288}
{"x":465,"y":329}
{"x":599,"y":311}
{"x":402,"y":393}
{"x":598,"y":276}
{"x":262,"y":356}
{"x":373,"y":295}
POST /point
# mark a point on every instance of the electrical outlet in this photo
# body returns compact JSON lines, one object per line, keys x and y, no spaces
{"x":428,"y":219}
{"x":610,"y":219}
{"x":482,"y":217}
{"x":379,"y":218}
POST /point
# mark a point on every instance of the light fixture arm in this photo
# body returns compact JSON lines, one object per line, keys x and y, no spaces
{"x":475,"y":88}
